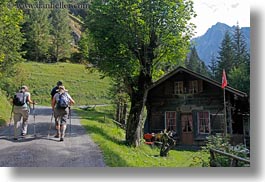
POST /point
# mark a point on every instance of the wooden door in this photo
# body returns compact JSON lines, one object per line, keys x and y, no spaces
{"x":187,"y":129}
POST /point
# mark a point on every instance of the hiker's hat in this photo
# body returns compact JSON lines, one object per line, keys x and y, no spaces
{"x":62,"y":88}
{"x":24,"y":88}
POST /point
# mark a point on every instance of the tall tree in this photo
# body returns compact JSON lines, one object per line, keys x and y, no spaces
{"x":37,"y":33}
{"x":193,"y":60}
{"x":226,"y":56}
{"x":213,"y":67}
{"x":10,"y":35}
{"x":133,"y":40}
{"x":240,"y":47}
{"x":240,"y":74}
{"x":84,"y":45}
{"x":61,"y":34}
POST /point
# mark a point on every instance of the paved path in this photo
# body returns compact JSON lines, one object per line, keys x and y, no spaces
{"x":77,"y":150}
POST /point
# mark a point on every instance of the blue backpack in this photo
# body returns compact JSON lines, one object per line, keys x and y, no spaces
{"x":63,"y":101}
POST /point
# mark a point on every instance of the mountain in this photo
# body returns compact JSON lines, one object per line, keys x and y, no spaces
{"x":209,"y":43}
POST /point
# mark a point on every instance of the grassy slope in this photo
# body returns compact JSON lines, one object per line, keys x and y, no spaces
{"x":5,"y":109}
{"x":84,"y":86}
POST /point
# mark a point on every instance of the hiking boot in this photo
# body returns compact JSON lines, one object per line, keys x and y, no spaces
{"x":61,"y":139}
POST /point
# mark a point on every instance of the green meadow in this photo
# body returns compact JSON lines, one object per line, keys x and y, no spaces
{"x":86,"y":86}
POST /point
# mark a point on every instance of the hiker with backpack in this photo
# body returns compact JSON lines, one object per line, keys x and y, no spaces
{"x":21,"y":109}
{"x":61,"y":103}
{"x":53,"y":92}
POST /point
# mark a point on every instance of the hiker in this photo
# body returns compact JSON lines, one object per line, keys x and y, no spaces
{"x":21,"y":109}
{"x":53,"y":92}
{"x":55,"y":89}
{"x":60,"y":105}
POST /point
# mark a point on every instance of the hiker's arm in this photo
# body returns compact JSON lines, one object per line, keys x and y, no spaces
{"x":72,"y":102}
{"x":30,"y":101}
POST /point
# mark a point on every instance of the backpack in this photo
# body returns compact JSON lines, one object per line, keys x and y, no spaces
{"x":19,"y":99}
{"x":63,"y":101}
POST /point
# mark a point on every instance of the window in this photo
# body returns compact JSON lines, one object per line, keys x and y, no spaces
{"x":193,"y":86}
{"x":178,"y":89}
{"x":170,"y":120}
{"x":203,"y":122}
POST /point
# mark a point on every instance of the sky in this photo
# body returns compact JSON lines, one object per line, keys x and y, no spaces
{"x":209,"y":12}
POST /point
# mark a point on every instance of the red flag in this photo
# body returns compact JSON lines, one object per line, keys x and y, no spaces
{"x":224,"y":80}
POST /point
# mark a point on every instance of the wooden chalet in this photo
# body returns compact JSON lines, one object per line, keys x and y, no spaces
{"x":192,"y":105}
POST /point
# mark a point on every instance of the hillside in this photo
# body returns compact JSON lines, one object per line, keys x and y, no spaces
{"x":209,"y":43}
{"x":86,"y":87}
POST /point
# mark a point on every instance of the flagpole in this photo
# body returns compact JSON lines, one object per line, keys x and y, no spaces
{"x":225,"y":122}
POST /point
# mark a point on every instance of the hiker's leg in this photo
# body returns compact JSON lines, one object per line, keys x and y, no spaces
{"x":63,"y":123}
{"x":56,"y":122}
{"x":57,"y":118}
{"x":63,"y":130}
{"x":25,"y":115}
{"x":17,"y":117}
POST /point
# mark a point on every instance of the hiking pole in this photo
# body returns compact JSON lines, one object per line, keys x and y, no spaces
{"x":50,"y":126}
{"x":34,"y":114}
{"x":69,"y":116}
{"x":9,"y":125}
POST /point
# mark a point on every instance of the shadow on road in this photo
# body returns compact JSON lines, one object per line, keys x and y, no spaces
{"x":41,"y":132}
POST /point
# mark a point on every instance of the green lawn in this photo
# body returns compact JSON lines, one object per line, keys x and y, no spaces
{"x":110,"y":139}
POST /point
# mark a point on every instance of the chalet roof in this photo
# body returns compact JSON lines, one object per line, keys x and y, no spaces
{"x":204,"y":78}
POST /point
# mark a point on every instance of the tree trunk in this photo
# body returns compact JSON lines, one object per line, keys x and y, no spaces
{"x":138,"y":99}
{"x":139,"y":91}
{"x":118,"y":112}
{"x":124,"y":112}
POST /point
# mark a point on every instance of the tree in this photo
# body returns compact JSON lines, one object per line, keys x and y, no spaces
{"x":134,"y":40}
{"x":10,"y":35}
{"x":193,"y":62}
{"x":240,"y":48}
{"x":213,"y":67}
{"x":61,"y":35}
{"x":226,"y":56}
{"x":84,"y":45}
{"x":240,"y":74}
{"x":37,"y":32}
{"x":240,"y":78}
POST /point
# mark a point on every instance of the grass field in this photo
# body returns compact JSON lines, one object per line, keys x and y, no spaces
{"x":86,"y":87}
{"x":110,"y":139}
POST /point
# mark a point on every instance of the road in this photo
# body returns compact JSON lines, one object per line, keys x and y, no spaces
{"x":39,"y":150}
